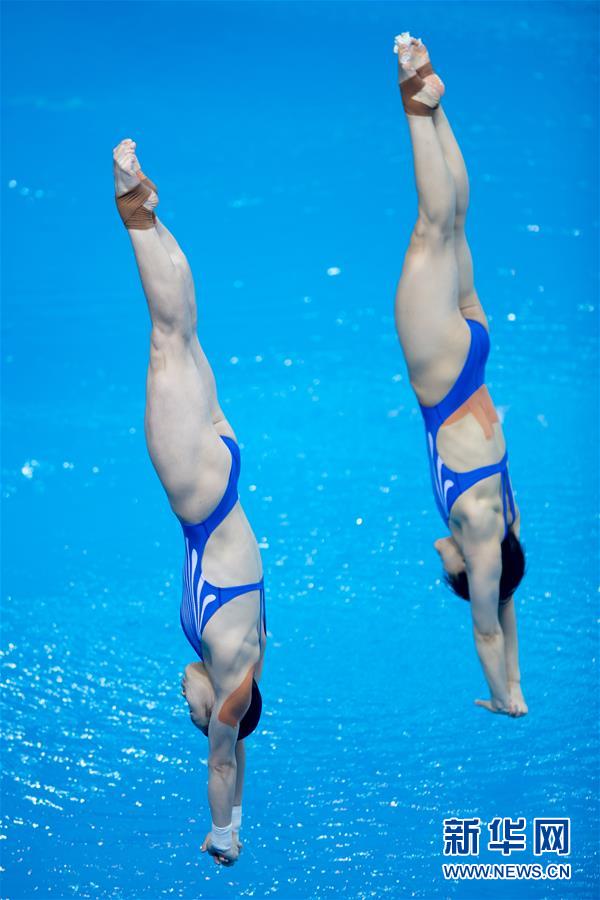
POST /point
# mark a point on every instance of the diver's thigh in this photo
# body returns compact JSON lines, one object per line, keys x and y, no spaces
{"x":190,"y":459}
{"x":427,"y":301}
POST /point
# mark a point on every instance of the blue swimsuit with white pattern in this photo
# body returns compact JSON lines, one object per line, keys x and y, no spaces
{"x":448,"y":485}
{"x":201,"y":599}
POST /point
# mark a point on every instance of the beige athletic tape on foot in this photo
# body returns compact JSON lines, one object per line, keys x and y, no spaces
{"x":131,"y":206}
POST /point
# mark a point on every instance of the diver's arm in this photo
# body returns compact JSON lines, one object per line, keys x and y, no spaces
{"x":484,"y":566}
{"x":240,"y":758}
{"x":219,"y":841}
{"x":236,"y":816}
{"x":508,"y":623}
{"x":222,"y":767}
{"x":489,"y":643}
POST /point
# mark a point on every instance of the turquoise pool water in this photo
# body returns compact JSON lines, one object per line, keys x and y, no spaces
{"x":276,"y":136}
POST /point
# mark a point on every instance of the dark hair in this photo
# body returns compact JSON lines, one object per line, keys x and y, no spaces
{"x":513,"y":570}
{"x":252,"y":716}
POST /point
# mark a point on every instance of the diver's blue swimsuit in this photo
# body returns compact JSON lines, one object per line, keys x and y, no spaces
{"x":448,"y":485}
{"x":201,"y":599}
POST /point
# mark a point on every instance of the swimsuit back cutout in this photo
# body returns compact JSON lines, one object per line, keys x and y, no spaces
{"x":448,"y":485}
{"x":201,"y":599}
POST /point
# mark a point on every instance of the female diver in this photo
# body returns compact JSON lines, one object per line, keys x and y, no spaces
{"x":443,"y":332}
{"x":193,"y":449}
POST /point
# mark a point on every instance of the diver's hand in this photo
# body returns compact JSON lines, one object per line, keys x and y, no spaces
{"x":494,"y":705}
{"x":221,"y":857}
{"x":517,"y":700}
{"x":235,"y":837}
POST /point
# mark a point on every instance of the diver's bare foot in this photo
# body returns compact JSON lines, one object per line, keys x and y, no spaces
{"x":412,"y":54}
{"x":128,"y":172}
{"x":125,"y":167}
{"x":419,"y":56}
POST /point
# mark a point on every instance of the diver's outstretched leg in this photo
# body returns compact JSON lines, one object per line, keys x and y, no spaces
{"x":468,"y":301}
{"x":179,"y":260}
{"x":430,"y":327}
{"x":181,"y":404}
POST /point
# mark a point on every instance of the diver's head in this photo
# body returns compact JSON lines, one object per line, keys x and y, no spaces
{"x":455,"y":569}
{"x":198,"y":690}
{"x":252,"y":714}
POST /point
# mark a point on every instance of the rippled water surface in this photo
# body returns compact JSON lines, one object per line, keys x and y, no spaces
{"x":275,"y":134}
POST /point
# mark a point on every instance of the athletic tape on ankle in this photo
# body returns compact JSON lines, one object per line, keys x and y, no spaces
{"x":131,"y":207}
{"x":236,"y":818}
{"x":408,"y":89}
{"x":425,"y":70}
{"x":220,"y":837}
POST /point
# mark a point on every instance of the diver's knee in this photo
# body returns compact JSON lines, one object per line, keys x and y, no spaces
{"x":171,"y":340}
{"x":432,"y":231}
{"x":459,"y":222}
